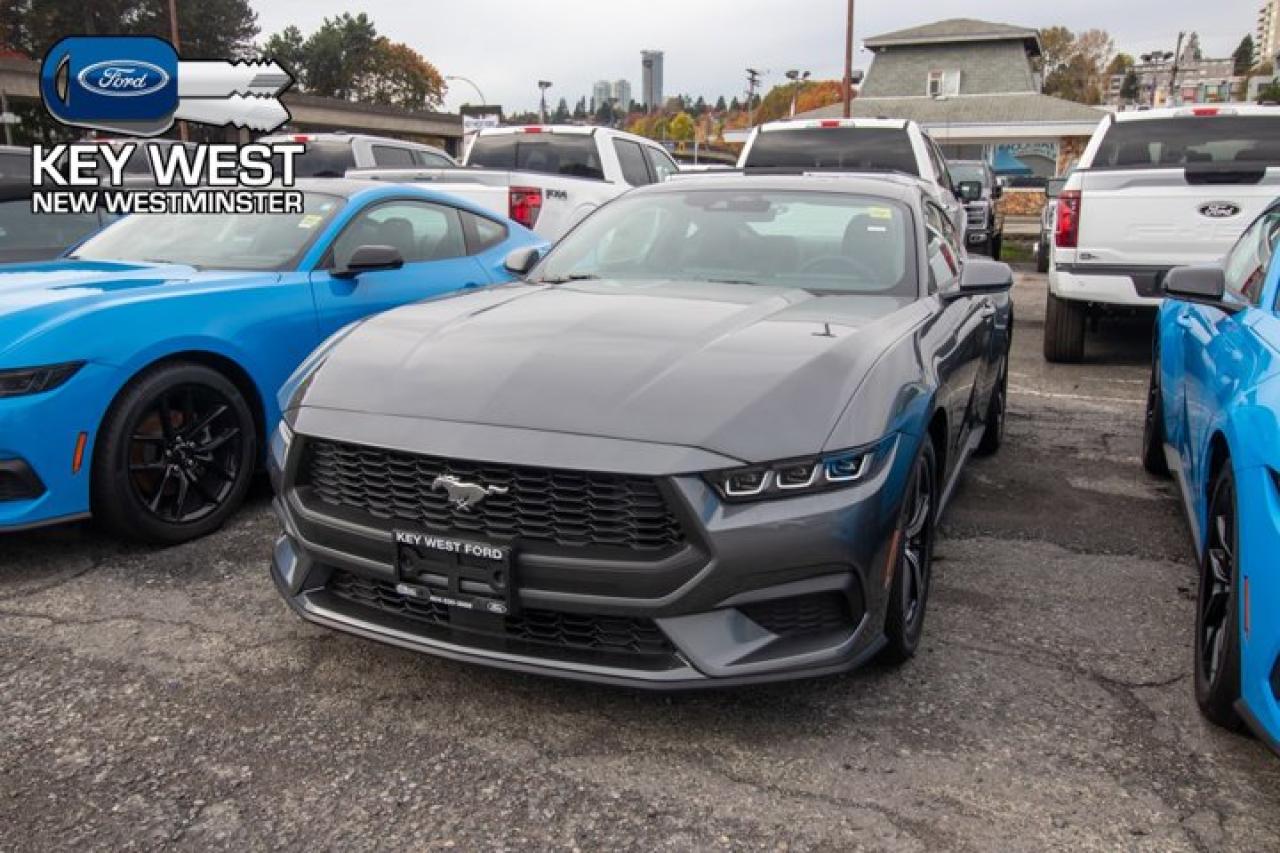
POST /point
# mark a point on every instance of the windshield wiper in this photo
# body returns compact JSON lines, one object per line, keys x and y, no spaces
{"x":727,"y":281}
{"x":563,"y":279}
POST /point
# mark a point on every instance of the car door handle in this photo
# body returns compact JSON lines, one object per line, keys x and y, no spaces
{"x":1184,"y":320}
{"x":987,"y":311}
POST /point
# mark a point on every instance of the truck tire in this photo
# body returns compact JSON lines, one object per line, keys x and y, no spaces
{"x":1063,"y":330}
{"x":996,"y":244}
{"x":1042,"y":256}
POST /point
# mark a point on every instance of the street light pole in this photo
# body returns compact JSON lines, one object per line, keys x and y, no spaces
{"x":470,"y":83}
{"x":847,"y":90}
{"x":177,"y":48}
{"x":543,"y":85}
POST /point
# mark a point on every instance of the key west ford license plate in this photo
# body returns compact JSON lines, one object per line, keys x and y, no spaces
{"x":466,"y":575}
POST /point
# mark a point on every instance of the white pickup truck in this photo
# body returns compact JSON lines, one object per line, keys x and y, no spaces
{"x":1154,"y":190}
{"x":857,"y":145}
{"x":547,"y":178}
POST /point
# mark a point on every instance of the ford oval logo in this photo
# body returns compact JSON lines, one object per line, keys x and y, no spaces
{"x":1219,"y":210}
{"x":122,"y":78}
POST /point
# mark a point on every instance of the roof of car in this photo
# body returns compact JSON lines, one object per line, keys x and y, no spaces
{"x":1199,"y":111}
{"x":902,"y":188}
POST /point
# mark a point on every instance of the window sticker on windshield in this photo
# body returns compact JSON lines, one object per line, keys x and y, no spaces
{"x":311,"y":220}
{"x":881,"y":213}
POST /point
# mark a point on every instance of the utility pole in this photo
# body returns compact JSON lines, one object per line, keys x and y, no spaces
{"x":753,"y":80}
{"x":543,"y":85}
{"x":183,"y":133}
{"x":847,"y":93}
{"x":1173,"y":79}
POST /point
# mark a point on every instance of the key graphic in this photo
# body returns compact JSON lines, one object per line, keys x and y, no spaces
{"x":137,"y":85}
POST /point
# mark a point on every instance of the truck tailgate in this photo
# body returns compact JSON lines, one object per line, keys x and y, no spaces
{"x":1168,"y":217}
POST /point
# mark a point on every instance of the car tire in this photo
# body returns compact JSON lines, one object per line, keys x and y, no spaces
{"x":1042,"y":257}
{"x":993,"y":431}
{"x":909,"y":594}
{"x":1153,"y":458}
{"x":997,"y":245}
{"x":1063,"y":330}
{"x":1217,"y":640}
{"x":175,"y":455}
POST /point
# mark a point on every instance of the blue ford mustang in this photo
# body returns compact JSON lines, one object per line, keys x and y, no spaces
{"x":1213,"y":419}
{"x":138,"y":374}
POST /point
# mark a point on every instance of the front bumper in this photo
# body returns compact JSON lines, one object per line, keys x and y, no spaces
{"x":759,"y":592}
{"x":38,"y":434}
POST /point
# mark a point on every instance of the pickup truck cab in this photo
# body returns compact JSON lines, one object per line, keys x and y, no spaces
{"x":1154,"y":190}
{"x":856,"y":145}
{"x":546,"y":177}
{"x":330,"y":155}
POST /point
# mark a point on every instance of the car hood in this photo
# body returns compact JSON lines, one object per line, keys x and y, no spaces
{"x":36,"y":296}
{"x":750,"y":372}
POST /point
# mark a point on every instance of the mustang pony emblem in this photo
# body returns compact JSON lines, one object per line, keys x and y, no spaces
{"x":465,"y":495}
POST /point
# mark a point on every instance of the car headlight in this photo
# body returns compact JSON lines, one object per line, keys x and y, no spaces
{"x":290,"y":394}
{"x":34,"y":380}
{"x":804,"y":476}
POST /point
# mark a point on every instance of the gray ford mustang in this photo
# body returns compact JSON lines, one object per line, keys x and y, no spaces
{"x":704,"y":441}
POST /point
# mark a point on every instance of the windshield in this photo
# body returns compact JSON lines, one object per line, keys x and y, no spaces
{"x":571,"y":154}
{"x":865,"y":149}
{"x":237,"y":241}
{"x":323,"y":159}
{"x":1189,"y":141}
{"x":967,"y":172}
{"x":15,"y":167}
{"x":21,"y":230}
{"x":819,"y":241}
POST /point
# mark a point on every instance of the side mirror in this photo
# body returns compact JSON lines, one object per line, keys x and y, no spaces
{"x":1053,"y":187}
{"x":521,"y":261}
{"x":370,"y":259}
{"x":983,"y":276}
{"x":969,"y":190}
{"x":997,"y":192}
{"x":1204,"y":285}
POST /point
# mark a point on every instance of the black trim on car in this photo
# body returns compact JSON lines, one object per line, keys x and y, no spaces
{"x":18,"y":482}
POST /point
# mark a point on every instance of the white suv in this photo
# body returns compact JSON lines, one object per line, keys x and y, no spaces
{"x":330,"y":155}
{"x":1154,"y":190}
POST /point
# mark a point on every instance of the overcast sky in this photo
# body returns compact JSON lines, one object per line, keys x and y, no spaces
{"x":506,"y":46}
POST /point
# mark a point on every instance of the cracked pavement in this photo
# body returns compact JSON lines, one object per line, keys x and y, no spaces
{"x":169,"y":699}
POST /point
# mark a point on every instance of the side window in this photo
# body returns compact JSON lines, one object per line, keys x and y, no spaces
{"x":943,"y":250}
{"x":431,"y":160}
{"x":631,"y":159}
{"x":1250,"y":259}
{"x":484,"y":232}
{"x":940,"y":165}
{"x":419,"y":230}
{"x":662,"y":164}
{"x":392,"y":156}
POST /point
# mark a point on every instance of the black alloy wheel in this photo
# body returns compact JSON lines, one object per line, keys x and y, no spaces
{"x":1153,"y":458}
{"x":175,"y":456}
{"x":909,"y":594}
{"x":1217,"y":646}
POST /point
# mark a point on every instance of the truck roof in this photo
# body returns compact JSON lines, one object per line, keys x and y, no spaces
{"x":565,"y":129}
{"x":890,"y":185}
{"x":1198,"y":111}
{"x":798,"y":124}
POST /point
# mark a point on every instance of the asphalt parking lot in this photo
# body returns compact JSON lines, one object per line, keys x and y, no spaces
{"x":170,"y":699}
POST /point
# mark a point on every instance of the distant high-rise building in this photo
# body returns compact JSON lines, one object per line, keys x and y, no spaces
{"x":651,"y":79}
{"x":622,"y":94}
{"x":601,"y":92}
{"x":1266,"y":44}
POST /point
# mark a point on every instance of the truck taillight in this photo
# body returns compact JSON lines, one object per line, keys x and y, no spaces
{"x":524,"y":205}
{"x":1067,"y":233}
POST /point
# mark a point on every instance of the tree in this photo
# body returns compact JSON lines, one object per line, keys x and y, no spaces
{"x":700,"y":106}
{"x":1075,"y":65}
{"x":347,"y":59}
{"x":1056,"y":46}
{"x":605,"y":113}
{"x":580,"y":109}
{"x":1130,"y":88}
{"x":1120,"y":64}
{"x":1270,"y":92}
{"x":561,"y":113}
{"x":681,"y":128}
{"x":1243,"y":56}
{"x":212,"y":28}
{"x":721,"y":106}
{"x":735,"y":105}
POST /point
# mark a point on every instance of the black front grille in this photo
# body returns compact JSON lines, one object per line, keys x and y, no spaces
{"x":802,"y":615}
{"x":565,"y":508}
{"x":573,"y":632}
